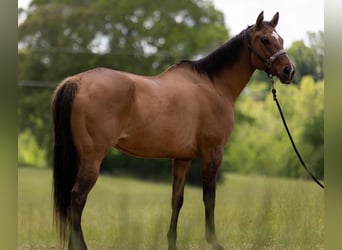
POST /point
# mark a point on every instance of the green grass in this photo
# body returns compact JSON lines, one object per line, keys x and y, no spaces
{"x":251,"y":213}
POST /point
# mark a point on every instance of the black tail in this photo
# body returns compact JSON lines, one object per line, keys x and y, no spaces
{"x":65,"y":154}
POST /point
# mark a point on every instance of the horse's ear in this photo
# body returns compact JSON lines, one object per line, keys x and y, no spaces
{"x":275,"y":20}
{"x":260,"y":19}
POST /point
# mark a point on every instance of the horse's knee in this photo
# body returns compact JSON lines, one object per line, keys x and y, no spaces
{"x":84,"y":182}
{"x":78,"y":200}
{"x":80,"y":193}
{"x":87,"y":175}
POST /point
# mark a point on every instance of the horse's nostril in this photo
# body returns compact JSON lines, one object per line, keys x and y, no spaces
{"x":287,"y":70}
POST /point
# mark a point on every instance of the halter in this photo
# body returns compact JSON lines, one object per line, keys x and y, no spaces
{"x":267,"y":61}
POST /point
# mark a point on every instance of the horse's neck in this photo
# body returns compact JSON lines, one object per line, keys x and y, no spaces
{"x":234,"y":79}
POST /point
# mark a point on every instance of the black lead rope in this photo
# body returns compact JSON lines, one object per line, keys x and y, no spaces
{"x":289,"y":134}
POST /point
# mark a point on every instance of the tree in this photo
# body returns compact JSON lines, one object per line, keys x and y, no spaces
{"x":123,"y":32}
{"x":260,"y":144}
{"x":311,"y":110}
{"x":59,"y":38}
{"x":308,"y":60}
{"x":316,"y":41}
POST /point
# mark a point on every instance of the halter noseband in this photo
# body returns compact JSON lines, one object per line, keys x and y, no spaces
{"x":267,"y":61}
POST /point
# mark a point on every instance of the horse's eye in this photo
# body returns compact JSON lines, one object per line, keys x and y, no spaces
{"x":265,"y":41}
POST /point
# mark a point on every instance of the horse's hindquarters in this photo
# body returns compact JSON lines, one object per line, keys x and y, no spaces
{"x":100,"y":111}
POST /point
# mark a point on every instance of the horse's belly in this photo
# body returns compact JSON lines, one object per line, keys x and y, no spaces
{"x":157,"y":145}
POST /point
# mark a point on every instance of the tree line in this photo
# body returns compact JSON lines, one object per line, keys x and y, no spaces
{"x":60,"y":38}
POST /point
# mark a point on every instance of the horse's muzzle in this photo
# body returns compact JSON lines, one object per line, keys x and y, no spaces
{"x":287,"y":74}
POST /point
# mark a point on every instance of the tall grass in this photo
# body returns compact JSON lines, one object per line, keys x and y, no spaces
{"x":251,"y":213}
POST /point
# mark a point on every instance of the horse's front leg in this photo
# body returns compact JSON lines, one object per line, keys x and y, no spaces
{"x":179,"y":170}
{"x":210,"y":168}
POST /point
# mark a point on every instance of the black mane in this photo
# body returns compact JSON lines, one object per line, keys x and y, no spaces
{"x":224,"y":56}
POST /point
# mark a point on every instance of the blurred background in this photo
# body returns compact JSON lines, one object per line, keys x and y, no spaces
{"x":58,"y":38}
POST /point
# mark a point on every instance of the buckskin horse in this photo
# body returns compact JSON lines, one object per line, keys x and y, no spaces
{"x":186,"y":112}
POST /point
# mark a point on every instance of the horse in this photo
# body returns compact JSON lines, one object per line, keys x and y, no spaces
{"x":186,"y":112}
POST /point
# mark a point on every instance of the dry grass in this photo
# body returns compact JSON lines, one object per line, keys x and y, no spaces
{"x":251,"y":213}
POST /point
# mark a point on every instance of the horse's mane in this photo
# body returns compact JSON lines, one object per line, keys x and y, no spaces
{"x":224,"y":56}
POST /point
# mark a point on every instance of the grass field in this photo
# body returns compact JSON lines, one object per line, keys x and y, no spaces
{"x":251,"y":213}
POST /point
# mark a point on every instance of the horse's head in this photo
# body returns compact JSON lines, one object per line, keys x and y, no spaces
{"x":266,"y":49}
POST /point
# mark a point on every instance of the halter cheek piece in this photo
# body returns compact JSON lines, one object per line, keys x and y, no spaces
{"x":267,"y":61}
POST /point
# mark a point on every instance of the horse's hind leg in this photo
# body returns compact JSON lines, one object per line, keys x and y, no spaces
{"x":210,"y":167}
{"x":86,"y":178}
{"x":180,"y":169}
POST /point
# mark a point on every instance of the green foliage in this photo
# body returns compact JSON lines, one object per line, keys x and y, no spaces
{"x":124,"y":165}
{"x":67,"y":37}
{"x":308,"y":60}
{"x":259,"y":143}
{"x":30,"y":153}
{"x":34,"y":119}
{"x":120,"y":164}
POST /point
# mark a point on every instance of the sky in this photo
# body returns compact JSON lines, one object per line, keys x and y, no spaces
{"x":297,"y":17}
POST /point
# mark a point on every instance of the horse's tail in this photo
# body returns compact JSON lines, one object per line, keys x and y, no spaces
{"x":64,"y":154}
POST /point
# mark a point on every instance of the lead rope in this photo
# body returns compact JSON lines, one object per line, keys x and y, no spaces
{"x":289,"y":134}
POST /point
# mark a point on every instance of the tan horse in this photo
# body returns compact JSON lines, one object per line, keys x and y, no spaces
{"x":184,"y":113}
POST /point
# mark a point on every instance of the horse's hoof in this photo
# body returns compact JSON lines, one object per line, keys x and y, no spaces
{"x":217,"y":246}
{"x":172,"y":246}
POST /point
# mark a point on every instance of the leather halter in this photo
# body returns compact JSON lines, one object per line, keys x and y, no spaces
{"x":267,"y":61}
